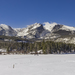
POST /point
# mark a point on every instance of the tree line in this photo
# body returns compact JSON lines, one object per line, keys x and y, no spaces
{"x":47,"y":47}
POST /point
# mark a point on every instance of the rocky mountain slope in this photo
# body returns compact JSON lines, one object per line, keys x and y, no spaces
{"x":32,"y":31}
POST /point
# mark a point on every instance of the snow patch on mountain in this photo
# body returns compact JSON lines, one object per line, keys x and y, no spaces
{"x":34,"y":26}
{"x":66,"y":40}
{"x":17,"y":29}
{"x":49,"y":26}
{"x":68,"y":28}
{"x":4,"y":26}
{"x":22,"y":32}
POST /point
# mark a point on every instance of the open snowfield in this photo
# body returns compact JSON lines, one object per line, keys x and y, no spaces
{"x":62,"y":64}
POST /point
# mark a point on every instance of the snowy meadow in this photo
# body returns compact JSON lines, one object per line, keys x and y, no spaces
{"x":58,"y":64}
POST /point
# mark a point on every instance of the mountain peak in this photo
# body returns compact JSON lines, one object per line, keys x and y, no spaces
{"x":34,"y":26}
{"x":4,"y":26}
{"x":6,"y":30}
{"x":49,"y":26}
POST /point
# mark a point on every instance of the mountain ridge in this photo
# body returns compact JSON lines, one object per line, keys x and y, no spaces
{"x":37,"y":30}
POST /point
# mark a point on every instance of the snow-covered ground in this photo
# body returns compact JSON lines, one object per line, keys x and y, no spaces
{"x":62,"y":64}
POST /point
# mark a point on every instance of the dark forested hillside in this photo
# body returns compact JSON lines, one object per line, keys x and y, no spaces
{"x":47,"y":47}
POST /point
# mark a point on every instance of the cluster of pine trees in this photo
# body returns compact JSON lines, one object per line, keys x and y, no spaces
{"x":51,"y":47}
{"x":48,"y":47}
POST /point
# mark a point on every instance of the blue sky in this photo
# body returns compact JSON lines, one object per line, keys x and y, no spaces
{"x":19,"y":13}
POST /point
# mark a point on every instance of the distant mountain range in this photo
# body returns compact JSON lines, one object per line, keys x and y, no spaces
{"x":40,"y":31}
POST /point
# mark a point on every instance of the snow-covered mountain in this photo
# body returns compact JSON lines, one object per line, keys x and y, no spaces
{"x":7,"y":30}
{"x":46,"y":30}
{"x":32,"y":31}
{"x":54,"y":26}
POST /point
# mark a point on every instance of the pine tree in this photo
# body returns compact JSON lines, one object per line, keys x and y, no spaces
{"x":8,"y":49}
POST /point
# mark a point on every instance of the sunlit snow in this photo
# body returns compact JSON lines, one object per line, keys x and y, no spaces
{"x":62,"y":64}
{"x":4,"y":26}
{"x":68,"y":28}
{"x":49,"y":26}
